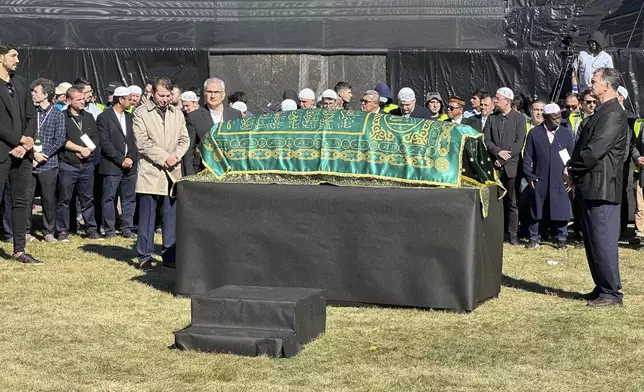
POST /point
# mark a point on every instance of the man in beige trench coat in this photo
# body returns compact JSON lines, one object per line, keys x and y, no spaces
{"x":162,"y":139}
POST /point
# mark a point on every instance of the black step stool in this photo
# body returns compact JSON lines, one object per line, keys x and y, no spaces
{"x":252,"y":321}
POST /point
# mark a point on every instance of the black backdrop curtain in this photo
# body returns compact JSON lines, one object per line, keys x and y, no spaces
{"x":532,"y":72}
{"x":127,"y":66}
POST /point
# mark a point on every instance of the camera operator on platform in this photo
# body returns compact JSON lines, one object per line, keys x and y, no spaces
{"x":590,"y":61}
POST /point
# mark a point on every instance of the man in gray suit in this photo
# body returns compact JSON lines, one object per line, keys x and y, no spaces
{"x":201,"y":121}
{"x":504,"y":137}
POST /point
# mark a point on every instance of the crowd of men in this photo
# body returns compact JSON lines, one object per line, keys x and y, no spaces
{"x":128,"y":154}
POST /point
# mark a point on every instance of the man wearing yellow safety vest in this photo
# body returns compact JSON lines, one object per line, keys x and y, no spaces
{"x":386,"y":100}
{"x":638,"y":176}
{"x":536,"y":114}
{"x":572,"y":116}
{"x":434,"y":103}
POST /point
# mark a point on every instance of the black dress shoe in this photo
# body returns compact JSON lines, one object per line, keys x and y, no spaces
{"x":145,"y":264}
{"x":605,"y":303}
{"x":514,"y":241}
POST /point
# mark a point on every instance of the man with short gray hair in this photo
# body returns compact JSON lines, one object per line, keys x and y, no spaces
{"x":596,"y":170}
{"x":201,"y":121}
{"x":370,"y":102}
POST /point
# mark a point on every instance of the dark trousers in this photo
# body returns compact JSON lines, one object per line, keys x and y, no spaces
{"x":127,"y":182}
{"x":47,"y":182}
{"x":18,"y":174}
{"x":510,"y":206}
{"x":98,"y":191}
{"x":545,"y":224}
{"x":576,"y":212}
{"x":600,"y":227}
{"x":80,"y":178}
{"x":147,"y":213}
{"x":6,"y":212}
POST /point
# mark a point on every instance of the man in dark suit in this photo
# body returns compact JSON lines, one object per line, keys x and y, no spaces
{"x":201,"y":121}
{"x":407,"y":106}
{"x":596,"y":170}
{"x":119,"y":158}
{"x":504,"y":137}
{"x":455,"y":112}
{"x":17,"y":128}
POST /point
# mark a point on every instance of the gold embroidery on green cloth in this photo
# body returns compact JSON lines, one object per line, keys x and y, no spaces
{"x":347,"y":147}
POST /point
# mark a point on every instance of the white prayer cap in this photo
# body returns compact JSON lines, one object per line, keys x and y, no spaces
{"x":329,"y":94}
{"x":551,"y":108}
{"x":122,"y":92}
{"x":62,"y":88}
{"x":506,"y":92}
{"x":239,"y":105}
{"x":406,"y":94}
{"x":621,"y":90}
{"x":288,"y":104}
{"x":135,"y":90}
{"x":307,"y":93}
{"x":189,"y":96}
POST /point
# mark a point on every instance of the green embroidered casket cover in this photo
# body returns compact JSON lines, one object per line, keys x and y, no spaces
{"x":346,"y":148}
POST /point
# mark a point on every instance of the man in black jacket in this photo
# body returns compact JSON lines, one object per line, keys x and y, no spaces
{"x":119,"y":158}
{"x":76,"y":166}
{"x":407,"y":106}
{"x":17,"y":128}
{"x":504,"y":137}
{"x":596,"y":170}
{"x":455,"y":110}
{"x":201,"y":121}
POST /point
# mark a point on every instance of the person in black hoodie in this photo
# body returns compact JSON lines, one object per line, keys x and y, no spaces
{"x":76,"y":166}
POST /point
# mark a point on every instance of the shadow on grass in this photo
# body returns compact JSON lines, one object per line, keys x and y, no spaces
{"x":160,"y":278}
{"x":120,"y":253}
{"x":535,"y":287}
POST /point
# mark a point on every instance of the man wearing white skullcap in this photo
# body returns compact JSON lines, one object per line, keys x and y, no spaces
{"x":407,"y":105}
{"x":307,"y":99}
{"x":118,"y":165}
{"x":242,"y":107}
{"x":288,"y":105}
{"x":136,"y":92}
{"x":547,"y":150}
{"x":504,"y":137}
{"x":329,"y":99}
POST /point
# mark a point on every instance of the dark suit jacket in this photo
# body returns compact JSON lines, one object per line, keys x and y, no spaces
{"x":199,"y":123}
{"x":9,"y":138}
{"x":472,"y":122}
{"x":113,"y":142}
{"x":597,"y":163}
{"x":505,"y":133}
{"x":418,"y":112}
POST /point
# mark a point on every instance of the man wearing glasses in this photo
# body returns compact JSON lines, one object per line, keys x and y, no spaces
{"x":504,"y":137}
{"x":572,"y":116}
{"x":370,"y":102}
{"x":17,"y":128}
{"x":201,"y":121}
{"x":455,"y":109}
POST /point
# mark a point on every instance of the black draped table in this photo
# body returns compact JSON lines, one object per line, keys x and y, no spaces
{"x":429,"y":248}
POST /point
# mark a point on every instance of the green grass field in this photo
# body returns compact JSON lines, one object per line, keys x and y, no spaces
{"x":89,"y":321}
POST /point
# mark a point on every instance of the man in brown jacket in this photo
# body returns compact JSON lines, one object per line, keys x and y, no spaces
{"x":162,"y":140}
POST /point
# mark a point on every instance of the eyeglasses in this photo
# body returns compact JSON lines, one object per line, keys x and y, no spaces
{"x":211,"y":92}
{"x":366,"y":101}
{"x":450,"y":108}
{"x":572,"y":107}
{"x":11,"y":90}
{"x":591,"y":102}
